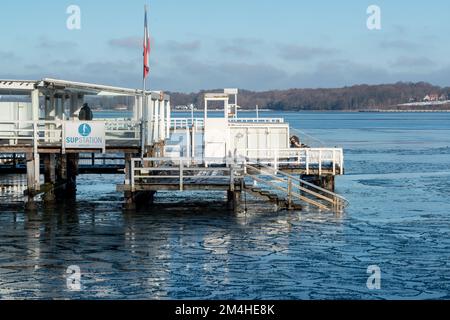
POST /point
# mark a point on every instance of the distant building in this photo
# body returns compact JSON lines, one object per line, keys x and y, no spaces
{"x":443,"y":97}
{"x":431,"y":98}
{"x":121,"y":107}
{"x":185,"y":108}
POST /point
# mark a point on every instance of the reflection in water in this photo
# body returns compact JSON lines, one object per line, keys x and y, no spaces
{"x":12,"y":188}
{"x":397,"y":182}
{"x":158,"y":254}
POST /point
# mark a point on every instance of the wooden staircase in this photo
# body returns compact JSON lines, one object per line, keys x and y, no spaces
{"x":287,"y":191}
{"x":273,"y":198}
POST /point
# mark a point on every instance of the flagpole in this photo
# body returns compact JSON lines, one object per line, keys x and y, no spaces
{"x":143,"y":123}
{"x":144,"y":97}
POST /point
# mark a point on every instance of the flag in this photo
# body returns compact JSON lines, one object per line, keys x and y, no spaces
{"x":146,"y":47}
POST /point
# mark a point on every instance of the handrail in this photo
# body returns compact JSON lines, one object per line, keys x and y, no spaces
{"x":325,"y":158}
{"x":52,"y":130}
{"x":183,"y":123}
{"x":299,"y":187}
{"x":344,"y":201}
{"x":180,"y":170}
{"x":305,"y":199}
{"x":256,"y":120}
{"x":233,"y":167}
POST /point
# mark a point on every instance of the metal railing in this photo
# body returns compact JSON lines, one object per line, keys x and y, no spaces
{"x":256,"y":120}
{"x":199,"y":123}
{"x":177,"y":171}
{"x":92,"y":160}
{"x":51,"y":132}
{"x":185,"y":123}
{"x":294,"y":188}
{"x":320,"y":160}
{"x":183,"y":171}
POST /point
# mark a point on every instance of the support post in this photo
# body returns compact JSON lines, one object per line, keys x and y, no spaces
{"x":50,"y":177}
{"x":234,"y":200}
{"x":326,"y":182}
{"x":290,"y":194}
{"x":188,"y":142}
{"x":36,"y":159}
{"x":181,"y":175}
{"x":168,"y":119}
{"x":32,"y":179}
{"x":50,"y":168}
{"x":72,"y":173}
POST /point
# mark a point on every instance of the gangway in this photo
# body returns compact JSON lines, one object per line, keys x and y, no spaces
{"x":236,"y":175}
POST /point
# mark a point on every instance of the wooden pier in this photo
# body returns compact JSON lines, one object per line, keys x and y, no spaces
{"x":157,"y":152}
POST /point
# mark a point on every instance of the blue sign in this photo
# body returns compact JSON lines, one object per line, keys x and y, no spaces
{"x":84,"y":130}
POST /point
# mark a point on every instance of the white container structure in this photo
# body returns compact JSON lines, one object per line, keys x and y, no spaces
{"x":225,"y":134}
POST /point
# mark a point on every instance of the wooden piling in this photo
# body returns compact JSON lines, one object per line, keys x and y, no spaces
{"x":234,"y":200}
{"x":326,"y":182}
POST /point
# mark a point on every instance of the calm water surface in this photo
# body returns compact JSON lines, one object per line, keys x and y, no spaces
{"x":398,"y":183}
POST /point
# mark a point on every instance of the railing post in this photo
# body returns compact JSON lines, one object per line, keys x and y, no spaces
{"x":181,"y":175}
{"x":276,"y":161}
{"x":232,"y":178}
{"x":307,"y":161}
{"x":320,"y":162}
{"x":188,"y":143}
{"x":334,"y":162}
{"x":63,"y":134}
{"x":35,"y":136}
{"x":132,"y":169}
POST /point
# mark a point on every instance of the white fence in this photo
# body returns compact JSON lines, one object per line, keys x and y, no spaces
{"x":256,"y":120}
{"x":311,"y":159}
{"x":199,"y":123}
{"x":163,"y":170}
{"x":185,"y":123}
{"x":51,"y":132}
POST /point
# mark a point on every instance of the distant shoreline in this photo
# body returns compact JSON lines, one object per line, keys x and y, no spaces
{"x":306,"y":111}
{"x":404,"y":111}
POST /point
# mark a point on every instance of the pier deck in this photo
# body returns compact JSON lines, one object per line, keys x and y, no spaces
{"x":157,"y":152}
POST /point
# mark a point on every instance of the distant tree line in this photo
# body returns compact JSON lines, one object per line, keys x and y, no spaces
{"x":359,"y":97}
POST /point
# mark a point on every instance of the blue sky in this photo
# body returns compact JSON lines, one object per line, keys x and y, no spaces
{"x":205,"y":44}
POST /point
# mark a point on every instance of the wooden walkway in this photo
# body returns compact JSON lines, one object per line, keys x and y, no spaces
{"x":267,"y":183}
